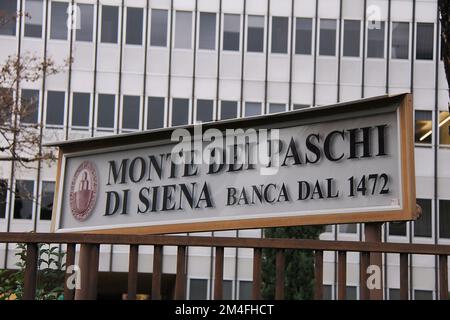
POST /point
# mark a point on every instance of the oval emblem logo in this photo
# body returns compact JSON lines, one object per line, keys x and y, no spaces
{"x":83,"y":191}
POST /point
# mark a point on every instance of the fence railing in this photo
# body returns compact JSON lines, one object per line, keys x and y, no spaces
{"x":370,"y":253}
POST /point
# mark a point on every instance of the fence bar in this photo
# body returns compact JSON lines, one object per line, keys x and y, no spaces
{"x":132,"y":271}
{"x":342,"y":275}
{"x":180,"y":282}
{"x":404,"y":270}
{"x":318,"y":275}
{"x":93,"y":271}
{"x":279,"y":278}
{"x":364,"y":258}
{"x":443,"y":277}
{"x":257,"y":257}
{"x":70,"y":261}
{"x":218,"y":274}
{"x":31,"y":266}
{"x":157,"y":272}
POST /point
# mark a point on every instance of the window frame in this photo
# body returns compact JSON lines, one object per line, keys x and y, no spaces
{"x":77,"y":127}
{"x":50,"y":18}
{"x":385,"y":34}
{"x":125,"y":22}
{"x":313,"y":32}
{"x":319,"y":36}
{"x":100,"y":25}
{"x":105,"y":129}
{"x":264,"y":34}
{"x":44,"y":120}
{"x":189,"y":114}
{"x":343,"y":40}
{"x":168,"y":27}
{"x":392,"y":41}
{"x":199,"y":14}
{"x":122,"y":113}
{"x":174,"y":30}
{"x":288,"y":36}
{"x":222,"y":38}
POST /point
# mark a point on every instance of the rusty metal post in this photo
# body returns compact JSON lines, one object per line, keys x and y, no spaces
{"x":132,"y":271}
{"x":443,"y":277}
{"x":373,"y":234}
{"x":157,"y":272}
{"x":70,"y":261}
{"x":279,"y":278}
{"x":342,"y":275}
{"x":31,"y":267}
{"x":364,"y":258}
{"x":180,"y":282}
{"x":84,"y":262}
{"x":404,"y":275}
{"x":218,"y":274}
{"x":94,"y":256}
{"x":257,"y":257}
{"x":318,"y":275}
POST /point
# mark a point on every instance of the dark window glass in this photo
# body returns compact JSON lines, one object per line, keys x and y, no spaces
{"x":303,"y":36}
{"x":110,"y":24}
{"x":394,"y":294}
{"x":227,"y":289}
{"x":207,"y":37}
{"x":300,"y":106}
{"x":86,"y":19}
{"x":422,"y":226}
{"x":280,"y":27}
{"x":33,"y":20}
{"x":327,"y":292}
{"x":348,"y":228}
{"x":423,"y":295}
{"x":105,"y":111}
{"x":351,"y":38}
{"x":252,"y":109}
{"x":231,"y":30}
{"x":180,"y":112}
{"x":277,"y":107}
{"x":183,"y":30}
{"x":255,"y":36}
{"x":350,"y":292}
{"x":198,"y":289}
{"x":444,"y":128}
{"x":23,"y":199}
{"x":397,"y":229}
{"x":135,"y":22}
{"x":205,"y":109}
{"x":228,"y":110}
{"x":48,"y":191}
{"x":58,"y":22}
{"x":55,"y":108}
{"x":444,"y":219}
{"x":245,"y":290}
{"x":158,"y":31}
{"x":3,"y":193}
{"x":424,"y":41}
{"x":8,"y":10}
{"x":30,"y":106}
{"x":80,"y":109}
{"x":130,"y":113}
{"x":155,"y":114}
{"x":375,"y":40}
{"x":423,"y":126}
{"x":327,"y":45}
{"x":400,"y":40}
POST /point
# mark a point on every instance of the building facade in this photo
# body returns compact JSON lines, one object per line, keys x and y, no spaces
{"x":144,"y":64}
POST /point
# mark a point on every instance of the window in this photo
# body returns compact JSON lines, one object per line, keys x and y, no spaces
{"x":155,"y":113}
{"x":423,"y":126}
{"x":231,"y":29}
{"x":198,"y":289}
{"x":375,"y":40}
{"x":327,"y":292}
{"x":23,"y":199}
{"x":423,"y":295}
{"x":394,"y":294}
{"x":252,"y":109}
{"x":397,"y":229}
{"x":277,"y":107}
{"x":303,"y":36}
{"x":227,"y":289}
{"x":350,"y":293}
{"x":228,"y":110}
{"x":110,"y":24}
{"x":130,"y":112}
{"x":348,"y":228}
{"x":8,"y":25}
{"x":207,"y":37}
{"x":255,"y":34}
{"x":351,"y":38}
{"x":422,"y":226}
{"x":327,"y":45}
{"x":180,"y":112}
{"x":183,"y":30}
{"x":245,"y":290}
{"x":106,"y":111}
{"x":3,"y":193}
{"x":424,"y":41}
{"x":300,"y":106}
{"x":280,"y":27}
{"x":444,"y":128}
{"x":58,"y":22}
{"x":80,"y":109}
{"x":30,"y":106}
{"x":205,"y":109}
{"x":400,"y":40}
{"x":444,"y":219}
{"x":55,"y":108}
{"x":135,"y":22}
{"x":86,"y":18}
{"x":33,"y":20}
{"x":158,"y":32}
{"x":48,"y":191}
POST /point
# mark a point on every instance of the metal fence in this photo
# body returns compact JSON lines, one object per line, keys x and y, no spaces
{"x":370,"y":253}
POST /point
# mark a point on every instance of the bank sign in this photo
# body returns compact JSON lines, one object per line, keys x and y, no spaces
{"x":345,"y":163}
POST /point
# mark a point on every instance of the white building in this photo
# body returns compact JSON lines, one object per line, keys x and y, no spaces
{"x":141,"y":64}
